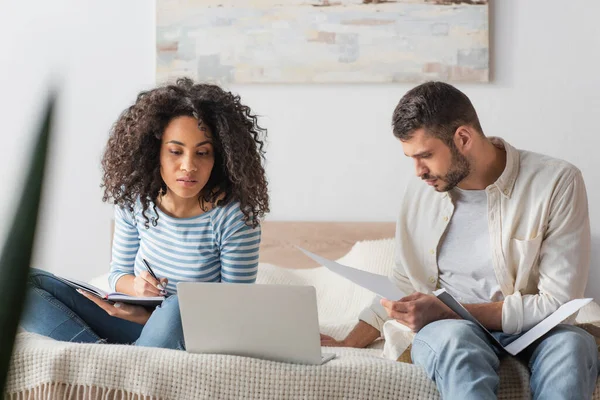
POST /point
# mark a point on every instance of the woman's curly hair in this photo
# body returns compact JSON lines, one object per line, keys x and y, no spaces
{"x":131,"y":162}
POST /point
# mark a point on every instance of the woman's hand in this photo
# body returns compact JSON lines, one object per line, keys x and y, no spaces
{"x":144,"y":285}
{"x":129,"y":312}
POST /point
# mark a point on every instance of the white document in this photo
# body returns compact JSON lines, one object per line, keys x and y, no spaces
{"x":384,"y":287}
{"x":563,"y":312}
{"x":514,"y":348}
{"x":378,"y":284}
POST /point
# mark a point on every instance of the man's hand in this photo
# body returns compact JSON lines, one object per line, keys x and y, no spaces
{"x":144,"y":285}
{"x":129,"y":312}
{"x":417,"y":310}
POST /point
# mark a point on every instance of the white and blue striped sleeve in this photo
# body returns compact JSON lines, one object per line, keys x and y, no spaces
{"x":126,"y":242}
{"x":239,"y":248}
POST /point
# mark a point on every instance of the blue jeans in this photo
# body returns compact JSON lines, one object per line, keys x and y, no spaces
{"x":463,"y":362}
{"x":55,"y":309}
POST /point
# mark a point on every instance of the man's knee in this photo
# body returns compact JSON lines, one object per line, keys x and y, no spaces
{"x":571,"y":341}
{"x":451,"y":336}
{"x":443,"y":345}
{"x":448,"y":334}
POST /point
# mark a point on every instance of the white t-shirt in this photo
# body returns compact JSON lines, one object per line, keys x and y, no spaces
{"x":465,"y":264}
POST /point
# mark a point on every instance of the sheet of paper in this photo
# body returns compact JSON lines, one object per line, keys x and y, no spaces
{"x":378,"y":284}
{"x":514,"y":348}
{"x":563,"y":312}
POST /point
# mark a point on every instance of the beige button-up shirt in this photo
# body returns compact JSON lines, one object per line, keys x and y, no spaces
{"x":539,"y":234}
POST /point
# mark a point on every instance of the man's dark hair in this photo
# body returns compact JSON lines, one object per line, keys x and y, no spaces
{"x":437,"y":107}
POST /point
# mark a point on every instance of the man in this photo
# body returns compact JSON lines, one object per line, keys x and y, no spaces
{"x":504,"y":231}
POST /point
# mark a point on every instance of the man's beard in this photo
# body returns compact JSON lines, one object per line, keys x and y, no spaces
{"x":460,"y":168}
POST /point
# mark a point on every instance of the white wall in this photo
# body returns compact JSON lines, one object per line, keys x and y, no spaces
{"x":103,"y":52}
{"x":331,"y":153}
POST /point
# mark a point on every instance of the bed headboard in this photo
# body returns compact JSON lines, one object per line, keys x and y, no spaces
{"x":329,"y":239}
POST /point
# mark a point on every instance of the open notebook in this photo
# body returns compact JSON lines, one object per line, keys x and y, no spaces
{"x":384,"y":287}
{"x":113,"y":297}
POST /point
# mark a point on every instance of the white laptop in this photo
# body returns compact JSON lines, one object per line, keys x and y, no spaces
{"x":273,"y":322}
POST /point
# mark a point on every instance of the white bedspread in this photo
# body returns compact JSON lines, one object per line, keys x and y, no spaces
{"x":44,"y":368}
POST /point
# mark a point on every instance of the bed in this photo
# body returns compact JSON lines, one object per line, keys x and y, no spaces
{"x":43,"y":368}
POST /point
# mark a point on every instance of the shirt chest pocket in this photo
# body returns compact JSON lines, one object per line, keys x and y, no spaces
{"x":523,"y":256}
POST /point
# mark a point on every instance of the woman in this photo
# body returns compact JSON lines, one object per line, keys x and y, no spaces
{"x":183,"y":166}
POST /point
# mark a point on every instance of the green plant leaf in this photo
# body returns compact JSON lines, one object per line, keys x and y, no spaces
{"x":18,"y":247}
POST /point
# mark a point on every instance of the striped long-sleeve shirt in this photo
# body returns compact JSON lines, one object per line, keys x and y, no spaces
{"x":216,"y":246}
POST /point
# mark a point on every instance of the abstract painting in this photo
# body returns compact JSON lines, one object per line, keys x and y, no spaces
{"x":323,"y":41}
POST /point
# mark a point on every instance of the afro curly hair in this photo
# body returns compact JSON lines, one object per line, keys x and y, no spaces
{"x":131,"y":161}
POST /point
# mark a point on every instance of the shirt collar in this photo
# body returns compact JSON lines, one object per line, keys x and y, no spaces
{"x":506,"y":181}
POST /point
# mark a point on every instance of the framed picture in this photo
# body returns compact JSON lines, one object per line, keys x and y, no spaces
{"x":318,"y":41}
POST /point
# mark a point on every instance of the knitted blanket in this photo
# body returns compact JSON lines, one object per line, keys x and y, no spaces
{"x":43,"y":368}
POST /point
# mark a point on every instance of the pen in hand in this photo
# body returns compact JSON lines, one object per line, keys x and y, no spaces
{"x":162,"y":289}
